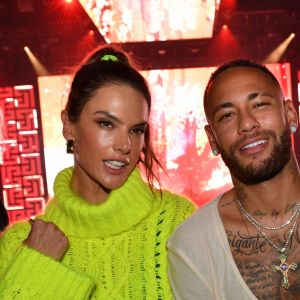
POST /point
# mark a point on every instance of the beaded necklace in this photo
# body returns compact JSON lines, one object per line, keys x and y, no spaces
{"x":283,"y":267}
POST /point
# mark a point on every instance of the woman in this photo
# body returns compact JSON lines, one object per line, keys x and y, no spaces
{"x":104,"y":234}
{"x":3,"y":216}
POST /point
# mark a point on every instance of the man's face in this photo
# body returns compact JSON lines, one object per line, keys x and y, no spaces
{"x":249,"y":124}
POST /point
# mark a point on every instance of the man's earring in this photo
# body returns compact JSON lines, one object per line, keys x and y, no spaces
{"x":215,"y":152}
{"x":293,"y":128}
{"x":70,"y":146}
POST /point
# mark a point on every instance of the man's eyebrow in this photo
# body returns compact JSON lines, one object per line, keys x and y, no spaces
{"x":256,"y":94}
{"x":222,"y":105}
{"x":253,"y":95}
{"x":250,"y":97}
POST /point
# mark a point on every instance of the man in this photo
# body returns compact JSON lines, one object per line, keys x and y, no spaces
{"x":245,"y":244}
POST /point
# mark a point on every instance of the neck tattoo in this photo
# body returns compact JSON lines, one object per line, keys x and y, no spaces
{"x":283,"y":267}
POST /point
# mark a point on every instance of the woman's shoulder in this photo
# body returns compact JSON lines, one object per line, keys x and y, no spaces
{"x":177,"y":200}
{"x":174,"y":208}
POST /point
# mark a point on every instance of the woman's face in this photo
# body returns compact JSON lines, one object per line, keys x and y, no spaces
{"x":108,"y":140}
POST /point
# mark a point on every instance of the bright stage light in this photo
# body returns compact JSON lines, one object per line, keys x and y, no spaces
{"x":37,"y":65}
{"x":23,"y":87}
{"x":277,"y":53}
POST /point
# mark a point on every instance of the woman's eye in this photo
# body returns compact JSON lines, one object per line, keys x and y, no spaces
{"x":104,"y":123}
{"x":139,"y":130}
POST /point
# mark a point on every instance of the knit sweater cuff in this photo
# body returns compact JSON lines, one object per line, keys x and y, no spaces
{"x":32,"y":274}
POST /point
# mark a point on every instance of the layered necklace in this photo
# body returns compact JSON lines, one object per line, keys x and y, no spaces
{"x":283,"y":267}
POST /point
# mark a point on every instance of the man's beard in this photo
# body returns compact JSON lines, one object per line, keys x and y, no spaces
{"x":268,"y":168}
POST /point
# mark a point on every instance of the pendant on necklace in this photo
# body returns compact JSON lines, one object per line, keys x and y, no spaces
{"x":284,"y":267}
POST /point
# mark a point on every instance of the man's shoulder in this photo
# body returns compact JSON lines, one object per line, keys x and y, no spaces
{"x":202,"y":215}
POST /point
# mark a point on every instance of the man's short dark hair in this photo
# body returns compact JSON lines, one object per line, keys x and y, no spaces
{"x":234,"y":64}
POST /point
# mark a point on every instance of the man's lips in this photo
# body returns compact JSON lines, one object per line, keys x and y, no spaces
{"x":253,"y":144}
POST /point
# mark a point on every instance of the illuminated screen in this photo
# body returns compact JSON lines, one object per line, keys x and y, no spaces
{"x":298,"y":90}
{"x":299,"y":98}
{"x":177,"y":123}
{"x":149,"y":20}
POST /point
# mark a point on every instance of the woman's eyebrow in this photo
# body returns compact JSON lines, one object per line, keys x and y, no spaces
{"x":108,"y":115}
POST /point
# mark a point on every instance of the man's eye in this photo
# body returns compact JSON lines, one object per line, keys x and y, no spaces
{"x":226,"y":116}
{"x":260,"y":104}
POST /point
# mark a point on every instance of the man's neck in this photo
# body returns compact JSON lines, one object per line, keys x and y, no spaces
{"x":275,"y":196}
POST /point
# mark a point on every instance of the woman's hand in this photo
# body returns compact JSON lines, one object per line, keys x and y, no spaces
{"x":48,"y":239}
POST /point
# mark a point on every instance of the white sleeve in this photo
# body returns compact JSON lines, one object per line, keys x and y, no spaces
{"x":188,"y":282}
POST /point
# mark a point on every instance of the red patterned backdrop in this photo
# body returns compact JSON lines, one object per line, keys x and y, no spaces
{"x":20,"y":153}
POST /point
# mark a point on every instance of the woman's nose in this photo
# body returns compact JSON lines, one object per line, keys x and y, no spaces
{"x":122,"y":144}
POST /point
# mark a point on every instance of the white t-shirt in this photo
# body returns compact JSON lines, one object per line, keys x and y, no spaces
{"x":201,"y":265}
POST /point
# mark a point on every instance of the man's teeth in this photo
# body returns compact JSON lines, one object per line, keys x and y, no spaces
{"x":114,"y":164}
{"x":252,"y":145}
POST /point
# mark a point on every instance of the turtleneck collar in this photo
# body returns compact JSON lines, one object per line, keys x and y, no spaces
{"x":124,"y":208}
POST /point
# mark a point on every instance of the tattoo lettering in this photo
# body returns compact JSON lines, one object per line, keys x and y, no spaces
{"x":295,"y":288}
{"x":259,"y":214}
{"x":246,"y":245}
{"x":296,"y":235}
{"x":258,"y":278}
{"x":290,"y":207}
{"x":254,"y":272}
{"x":228,"y":203}
{"x":275,"y":213}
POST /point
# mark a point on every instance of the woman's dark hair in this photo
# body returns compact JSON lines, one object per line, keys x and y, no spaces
{"x":3,"y":216}
{"x":96,"y":72}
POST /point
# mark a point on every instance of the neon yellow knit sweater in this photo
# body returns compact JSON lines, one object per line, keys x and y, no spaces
{"x":117,"y":249}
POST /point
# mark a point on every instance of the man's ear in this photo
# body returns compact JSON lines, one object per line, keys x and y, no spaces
{"x":212,"y":140}
{"x":67,"y":126}
{"x":290,"y":113}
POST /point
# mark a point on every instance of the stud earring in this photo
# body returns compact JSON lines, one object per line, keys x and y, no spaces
{"x":215,"y":152}
{"x":70,"y":146}
{"x":293,"y":128}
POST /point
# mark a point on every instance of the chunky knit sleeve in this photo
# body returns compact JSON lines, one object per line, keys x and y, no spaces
{"x":174,"y":210}
{"x":179,"y":207}
{"x":28,"y":274}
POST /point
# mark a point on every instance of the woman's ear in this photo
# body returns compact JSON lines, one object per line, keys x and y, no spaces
{"x":212,"y":140}
{"x":67,"y":126}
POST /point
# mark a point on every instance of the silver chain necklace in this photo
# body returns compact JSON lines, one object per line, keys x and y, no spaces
{"x":247,"y":214}
{"x":283,"y":267}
